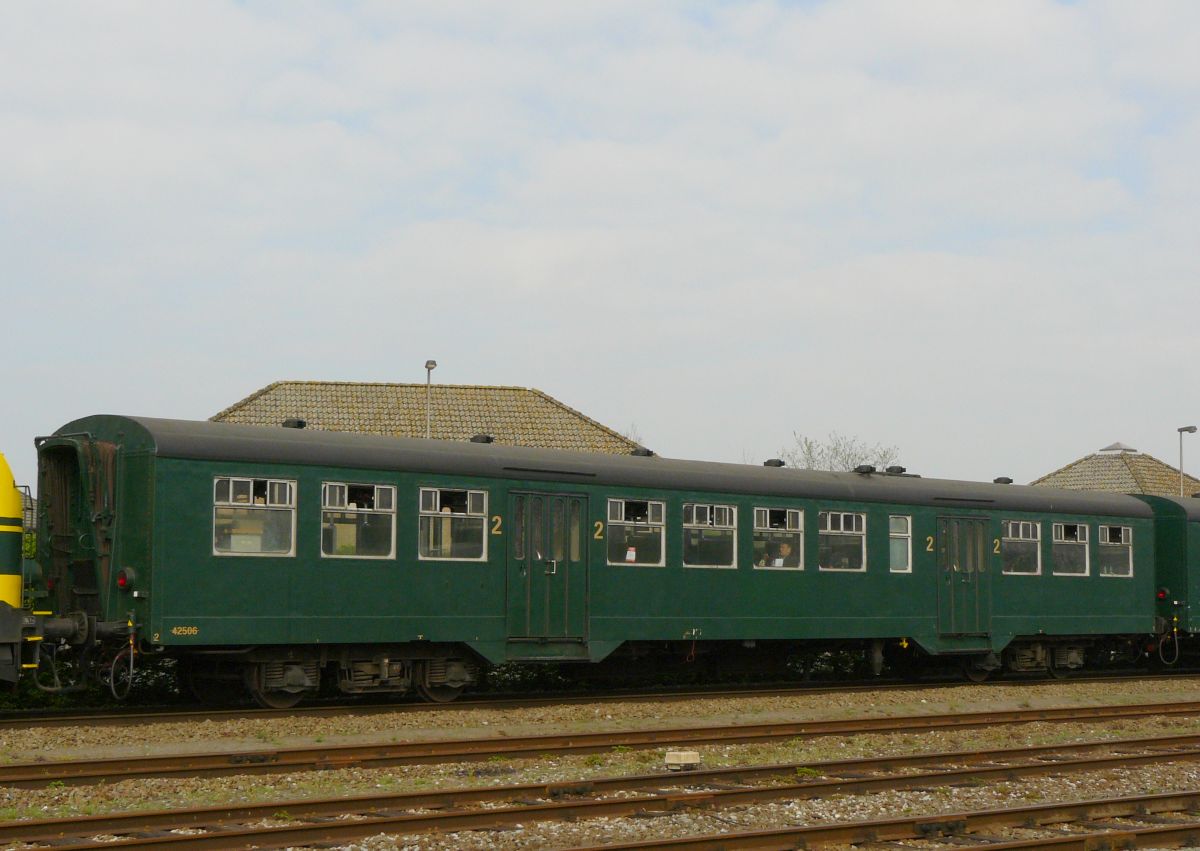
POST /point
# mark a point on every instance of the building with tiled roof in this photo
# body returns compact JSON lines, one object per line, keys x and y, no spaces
{"x":517,"y":416}
{"x":1120,"y":469}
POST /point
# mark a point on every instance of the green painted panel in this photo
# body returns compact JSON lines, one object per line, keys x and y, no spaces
{"x":307,"y":598}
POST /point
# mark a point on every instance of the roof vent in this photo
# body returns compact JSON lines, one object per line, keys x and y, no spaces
{"x":642,"y":452}
{"x":896,"y":470}
{"x":483,"y":438}
{"x":774,"y":462}
{"x":1118,"y":447}
{"x":865,"y":469}
{"x":294,"y":422}
{"x":1002,"y":480}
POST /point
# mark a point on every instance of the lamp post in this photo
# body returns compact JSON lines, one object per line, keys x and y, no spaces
{"x":1181,"y":430}
{"x":431,"y":365}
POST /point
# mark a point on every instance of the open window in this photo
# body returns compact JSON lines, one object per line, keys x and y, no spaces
{"x":358,"y":520}
{"x":779,"y":538}
{"x":636,"y":532}
{"x":1069,"y":549}
{"x":452,"y":524}
{"x":1115,"y":551}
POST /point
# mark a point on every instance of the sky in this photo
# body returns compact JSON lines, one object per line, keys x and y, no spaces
{"x":968,"y":230}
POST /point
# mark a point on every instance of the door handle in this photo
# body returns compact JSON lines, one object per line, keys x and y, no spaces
{"x":551,"y":566}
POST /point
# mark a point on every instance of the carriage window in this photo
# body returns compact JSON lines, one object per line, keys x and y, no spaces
{"x":779,"y":538}
{"x":358,"y":521}
{"x":255,"y":517}
{"x":635,"y":532}
{"x":1019,"y":549}
{"x":900,"y":543}
{"x":452,"y":524}
{"x":842,"y":540}
{"x":575,"y":531}
{"x":709,"y":535}
{"x":1116,"y":551}
{"x":518,"y":528}
{"x":558,"y":544}
{"x":1069,"y":549}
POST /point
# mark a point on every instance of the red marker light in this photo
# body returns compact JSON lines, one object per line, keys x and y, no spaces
{"x":122,"y":580}
{"x":125,"y":578}
{"x":1162,"y":593}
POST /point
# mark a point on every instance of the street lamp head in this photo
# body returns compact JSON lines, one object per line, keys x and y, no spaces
{"x":432,"y":364}
{"x":1187,"y":429}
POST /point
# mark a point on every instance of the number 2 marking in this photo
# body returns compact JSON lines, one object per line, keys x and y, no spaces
{"x":929,"y":543}
{"x":496,"y":525}
{"x":599,"y":536}
{"x":996,"y":546}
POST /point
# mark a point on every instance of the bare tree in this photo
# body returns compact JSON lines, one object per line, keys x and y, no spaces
{"x":633,"y":434}
{"x":838,"y":452}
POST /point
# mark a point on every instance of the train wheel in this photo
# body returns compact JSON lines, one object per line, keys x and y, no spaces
{"x":269,"y":698}
{"x":440,"y":693}
{"x":209,"y":686}
{"x":1057,"y":672}
{"x":974,"y":674}
{"x":186,"y":680}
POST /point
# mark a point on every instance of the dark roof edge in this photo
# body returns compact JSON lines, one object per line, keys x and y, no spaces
{"x":204,"y":440}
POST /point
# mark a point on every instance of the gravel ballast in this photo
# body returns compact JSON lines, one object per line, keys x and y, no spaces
{"x":255,"y":734}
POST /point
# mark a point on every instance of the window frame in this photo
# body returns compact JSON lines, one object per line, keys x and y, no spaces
{"x":1005,"y":529}
{"x":762,"y":524}
{"x":821,"y":530}
{"x":345,"y":509}
{"x":649,"y":523}
{"x":268,"y":505}
{"x":439,"y":514}
{"x":1127,"y":544}
{"x":1057,"y":528}
{"x":711,"y":511}
{"x":907,"y":536}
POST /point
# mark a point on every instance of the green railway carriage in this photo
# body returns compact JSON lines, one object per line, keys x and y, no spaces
{"x":1177,"y":572}
{"x":276,"y":556}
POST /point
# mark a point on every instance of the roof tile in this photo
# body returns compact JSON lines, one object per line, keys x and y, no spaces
{"x":512,"y":415}
{"x":1123,"y":471}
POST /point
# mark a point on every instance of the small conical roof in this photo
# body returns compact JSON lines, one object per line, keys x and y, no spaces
{"x":1120,"y":469}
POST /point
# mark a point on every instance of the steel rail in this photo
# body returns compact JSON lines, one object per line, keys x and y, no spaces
{"x":109,"y":716}
{"x":974,"y":766}
{"x":322,"y":757}
{"x":113,"y":716}
{"x":965,"y":824}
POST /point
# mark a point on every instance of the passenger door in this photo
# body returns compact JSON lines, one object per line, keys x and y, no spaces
{"x":964,"y":587}
{"x":547,"y":566}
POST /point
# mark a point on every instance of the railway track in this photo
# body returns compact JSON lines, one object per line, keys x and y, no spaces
{"x":1103,"y":823}
{"x":110,"y":716}
{"x":114,"y":717}
{"x":300,"y":822}
{"x":322,"y":757}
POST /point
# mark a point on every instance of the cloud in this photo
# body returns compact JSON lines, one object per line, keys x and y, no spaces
{"x":954,"y":228}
